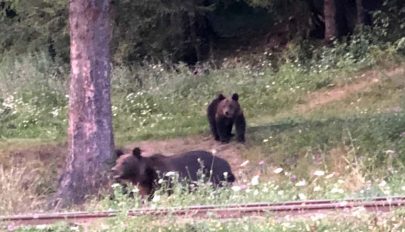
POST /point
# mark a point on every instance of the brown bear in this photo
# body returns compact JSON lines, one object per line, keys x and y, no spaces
{"x":145,"y":172}
{"x":222,"y":114}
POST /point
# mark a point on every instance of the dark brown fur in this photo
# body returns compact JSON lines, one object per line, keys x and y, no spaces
{"x":222,"y":114}
{"x":146,"y":171}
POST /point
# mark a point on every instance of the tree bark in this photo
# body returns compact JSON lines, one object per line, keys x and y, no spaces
{"x":360,"y":12}
{"x":191,"y":17}
{"x":329,"y":10}
{"x":90,"y":135}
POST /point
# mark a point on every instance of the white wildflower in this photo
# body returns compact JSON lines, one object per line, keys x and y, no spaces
{"x":261,"y":162}
{"x":55,"y":112}
{"x":255,"y":180}
{"x":301,"y":183}
{"x":225,"y":174}
{"x":171,"y":173}
{"x":317,"y":189}
{"x":115,"y":185}
{"x":319,"y":173}
{"x":278,"y":170}
{"x":236,"y":188}
{"x":156,"y":198}
{"x":382,"y":184}
{"x":302,"y":196}
{"x":337,"y":190}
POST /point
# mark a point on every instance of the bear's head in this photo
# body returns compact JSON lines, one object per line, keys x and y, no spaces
{"x":130,"y":167}
{"x":229,"y":107}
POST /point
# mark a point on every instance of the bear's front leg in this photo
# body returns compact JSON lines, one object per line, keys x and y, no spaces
{"x":223,"y":129}
{"x":214,"y":129}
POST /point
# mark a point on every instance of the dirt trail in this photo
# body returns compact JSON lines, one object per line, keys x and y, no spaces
{"x":320,"y":98}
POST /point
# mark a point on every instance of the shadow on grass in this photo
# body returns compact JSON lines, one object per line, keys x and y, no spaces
{"x":371,"y":135}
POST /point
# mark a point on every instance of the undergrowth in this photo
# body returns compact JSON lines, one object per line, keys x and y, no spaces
{"x":284,"y":186}
{"x":359,"y":221}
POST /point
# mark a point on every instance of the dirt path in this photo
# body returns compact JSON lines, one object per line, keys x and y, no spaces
{"x":366,"y":80}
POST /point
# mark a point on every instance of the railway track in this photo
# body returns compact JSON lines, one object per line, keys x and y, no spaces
{"x":382,"y":204}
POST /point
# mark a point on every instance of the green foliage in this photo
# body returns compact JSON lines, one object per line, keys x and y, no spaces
{"x":174,"y":30}
{"x":370,"y":137}
{"x":39,"y":26}
{"x":319,"y":184}
{"x":58,"y":227}
{"x":390,"y":20}
{"x":28,"y":111}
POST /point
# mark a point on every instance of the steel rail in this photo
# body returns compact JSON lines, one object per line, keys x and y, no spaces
{"x":383,"y":204}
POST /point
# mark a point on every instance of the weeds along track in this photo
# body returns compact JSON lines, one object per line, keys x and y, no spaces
{"x":382,"y":204}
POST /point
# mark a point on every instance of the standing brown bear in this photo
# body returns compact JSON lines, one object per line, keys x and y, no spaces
{"x":145,"y":172}
{"x":222,"y":114}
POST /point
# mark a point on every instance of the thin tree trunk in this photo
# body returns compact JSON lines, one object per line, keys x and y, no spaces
{"x":360,"y":12}
{"x":90,"y":136}
{"x":329,"y":10}
{"x":191,"y":17}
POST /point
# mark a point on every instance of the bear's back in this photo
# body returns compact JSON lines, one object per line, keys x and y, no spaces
{"x":189,"y":163}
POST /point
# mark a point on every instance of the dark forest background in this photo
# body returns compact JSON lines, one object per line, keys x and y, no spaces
{"x":195,"y":30}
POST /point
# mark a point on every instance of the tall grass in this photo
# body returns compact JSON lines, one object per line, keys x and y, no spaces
{"x":164,"y":100}
{"x":19,"y":190}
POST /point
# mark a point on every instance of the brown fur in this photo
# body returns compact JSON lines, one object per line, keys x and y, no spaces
{"x":222,"y":114}
{"x":145,"y":172}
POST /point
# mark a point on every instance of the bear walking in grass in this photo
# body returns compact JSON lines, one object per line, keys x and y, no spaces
{"x":145,"y":172}
{"x":222,"y":114}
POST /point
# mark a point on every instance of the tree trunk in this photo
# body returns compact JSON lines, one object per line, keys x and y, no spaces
{"x":193,"y":34}
{"x":360,"y":12}
{"x":329,"y":10}
{"x":90,"y":136}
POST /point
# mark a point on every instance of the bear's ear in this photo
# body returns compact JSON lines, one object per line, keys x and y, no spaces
{"x":221,"y":96}
{"x":137,"y":152}
{"x":235,"y":97}
{"x":118,"y":153}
